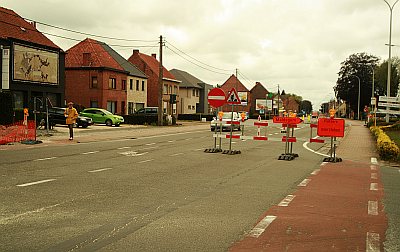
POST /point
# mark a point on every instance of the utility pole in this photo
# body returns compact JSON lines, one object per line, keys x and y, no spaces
{"x":279,"y":97}
{"x":160,"y":87}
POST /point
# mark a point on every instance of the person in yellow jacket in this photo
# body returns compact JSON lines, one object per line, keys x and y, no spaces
{"x":70,"y":114}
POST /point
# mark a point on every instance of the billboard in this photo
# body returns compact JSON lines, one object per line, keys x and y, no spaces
{"x":243,"y":98}
{"x":262,"y":104}
{"x":35,"y":65}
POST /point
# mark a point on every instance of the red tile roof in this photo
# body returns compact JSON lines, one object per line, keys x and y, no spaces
{"x":233,"y":82}
{"x":153,"y":64}
{"x":99,"y":56}
{"x":14,"y":26}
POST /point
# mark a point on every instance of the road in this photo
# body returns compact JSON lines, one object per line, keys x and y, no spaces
{"x":159,"y":192}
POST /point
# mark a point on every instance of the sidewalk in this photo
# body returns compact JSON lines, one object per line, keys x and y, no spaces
{"x":339,"y":207}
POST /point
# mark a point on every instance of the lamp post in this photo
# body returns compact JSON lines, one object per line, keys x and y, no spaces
{"x":390,"y":52}
{"x":359,"y":91}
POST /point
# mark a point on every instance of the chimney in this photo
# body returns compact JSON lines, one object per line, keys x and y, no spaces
{"x":135,"y":51}
{"x":154,"y":55}
{"x":87,"y":59}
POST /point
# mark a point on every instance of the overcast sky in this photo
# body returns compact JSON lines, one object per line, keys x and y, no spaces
{"x":298,"y":44}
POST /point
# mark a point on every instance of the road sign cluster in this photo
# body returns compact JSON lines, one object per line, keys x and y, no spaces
{"x":217,"y":97}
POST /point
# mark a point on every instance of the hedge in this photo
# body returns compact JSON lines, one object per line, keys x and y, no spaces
{"x":387,"y":149}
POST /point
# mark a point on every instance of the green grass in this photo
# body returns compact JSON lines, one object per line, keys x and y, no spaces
{"x":394,"y":135}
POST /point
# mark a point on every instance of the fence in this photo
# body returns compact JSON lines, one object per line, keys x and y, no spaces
{"x":17,"y":132}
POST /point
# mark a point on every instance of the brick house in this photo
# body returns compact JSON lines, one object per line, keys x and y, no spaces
{"x":243,"y":92}
{"x":190,"y":91}
{"x":150,"y":66}
{"x":258,"y":92}
{"x":97,"y":76}
{"x":32,"y":66}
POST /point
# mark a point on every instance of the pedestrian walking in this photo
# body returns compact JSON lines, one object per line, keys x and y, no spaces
{"x":70,"y":116}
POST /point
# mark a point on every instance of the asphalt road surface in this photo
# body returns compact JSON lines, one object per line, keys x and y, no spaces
{"x":153,"y":193}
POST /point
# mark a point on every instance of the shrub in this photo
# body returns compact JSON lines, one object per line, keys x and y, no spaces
{"x":387,"y":149}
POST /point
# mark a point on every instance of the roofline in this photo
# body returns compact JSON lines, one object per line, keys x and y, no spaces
{"x":168,"y":79}
{"x":97,"y":68}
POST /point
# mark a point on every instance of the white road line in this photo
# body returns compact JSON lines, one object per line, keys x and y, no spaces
{"x":150,"y":144}
{"x":200,"y":149}
{"x":373,"y":187}
{"x":145,"y":161}
{"x":372,"y":242}
{"x":36,"y":182}
{"x":286,"y":201}
{"x":171,"y":141}
{"x":315,"y":172}
{"x":121,"y":148}
{"x":304,"y":182}
{"x":374,"y":161}
{"x":176,"y":154}
{"x":90,"y":152}
{"x":261,"y":226}
{"x":373,"y":167}
{"x":270,"y":134}
{"x":276,"y":133}
{"x":313,"y":151}
{"x":373,"y":207}
{"x":42,"y":159}
{"x":374,"y":175}
{"x":100,"y":170}
{"x":189,"y":138}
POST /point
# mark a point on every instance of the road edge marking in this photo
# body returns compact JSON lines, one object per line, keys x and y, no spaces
{"x":261,"y":226}
{"x":372,"y":242}
{"x":36,"y":182}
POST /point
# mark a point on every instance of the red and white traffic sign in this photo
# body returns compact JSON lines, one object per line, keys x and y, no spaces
{"x":216,"y":97}
{"x":328,"y":127}
{"x":233,"y":97}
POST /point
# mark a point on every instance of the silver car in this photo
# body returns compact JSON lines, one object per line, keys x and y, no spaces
{"x":216,"y":124}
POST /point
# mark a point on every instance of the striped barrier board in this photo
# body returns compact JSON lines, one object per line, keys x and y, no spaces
{"x":262,"y":138}
{"x":289,"y":139}
{"x":312,"y":140}
{"x":260,"y":123}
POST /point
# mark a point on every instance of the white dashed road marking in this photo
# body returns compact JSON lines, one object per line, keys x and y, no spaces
{"x":176,"y":154}
{"x":100,"y":170}
{"x":373,"y":207}
{"x":315,"y":172}
{"x":373,"y":168}
{"x":374,"y":161}
{"x":36,"y":182}
{"x":374,"y":175}
{"x":145,"y":161}
{"x":261,"y":226}
{"x":373,"y":187}
{"x":286,"y":201}
{"x":372,"y":242}
{"x":90,"y":152}
{"x":123,"y":148}
{"x":150,"y":144}
{"x":42,"y":159}
{"x":304,"y":182}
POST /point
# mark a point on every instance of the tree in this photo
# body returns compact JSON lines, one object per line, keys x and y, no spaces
{"x":381,"y":78}
{"x":306,"y":106}
{"x":360,"y":65}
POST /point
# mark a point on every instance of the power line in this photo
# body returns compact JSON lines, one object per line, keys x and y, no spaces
{"x":225,"y":70}
{"x":195,"y":63}
{"x":78,"y":32}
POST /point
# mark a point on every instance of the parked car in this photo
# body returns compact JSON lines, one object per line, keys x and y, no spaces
{"x":99,"y":115}
{"x":226,"y":117}
{"x":148,"y":110}
{"x":56,"y":116}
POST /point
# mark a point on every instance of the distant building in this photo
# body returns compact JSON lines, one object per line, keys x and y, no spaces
{"x":243,"y":92}
{"x":260,"y":93}
{"x":97,"y":76}
{"x":32,"y":66}
{"x":150,"y":66}
{"x":193,"y":93}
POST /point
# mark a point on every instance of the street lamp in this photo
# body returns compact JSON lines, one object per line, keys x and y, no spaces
{"x":359,"y":91}
{"x":390,"y":53}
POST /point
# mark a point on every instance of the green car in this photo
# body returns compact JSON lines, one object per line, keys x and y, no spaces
{"x":102,"y":116}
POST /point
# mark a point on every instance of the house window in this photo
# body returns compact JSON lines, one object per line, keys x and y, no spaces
{"x":137,"y":85}
{"x":130,"y":108}
{"x":18,"y":99}
{"x":142,"y":85}
{"x":112,"y":83}
{"x":131,"y":84}
{"x":175,"y":90}
{"x":197,"y":93}
{"x":193,"y":107}
{"x":193,"y":92}
{"x":94,"y":82}
{"x":123,"y":108}
{"x":165,"y":90}
{"x":123,"y":84}
{"x":189,"y":107}
{"x":170,"y":89}
{"x":112,"y":106}
{"x":94,"y":104}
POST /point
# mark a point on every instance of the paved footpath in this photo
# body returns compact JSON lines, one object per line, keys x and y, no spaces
{"x":338,"y":207}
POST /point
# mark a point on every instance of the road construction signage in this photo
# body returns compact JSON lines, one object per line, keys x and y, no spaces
{"x":233,"y":97}
{"x":287,"y":120}
{"x":216,"y":97}
{"x":329,"y":127}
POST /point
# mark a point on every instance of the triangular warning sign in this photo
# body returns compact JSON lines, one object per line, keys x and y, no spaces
{"x":233,"y":97}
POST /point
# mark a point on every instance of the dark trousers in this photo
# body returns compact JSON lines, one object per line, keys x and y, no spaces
{"x":71,"y":130}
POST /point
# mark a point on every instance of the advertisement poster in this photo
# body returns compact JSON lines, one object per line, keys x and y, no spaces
{"x":243,"y":98}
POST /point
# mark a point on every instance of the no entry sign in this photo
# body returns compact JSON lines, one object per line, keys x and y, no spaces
{"x":216,"y":97}
{"x":330,"y":127}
